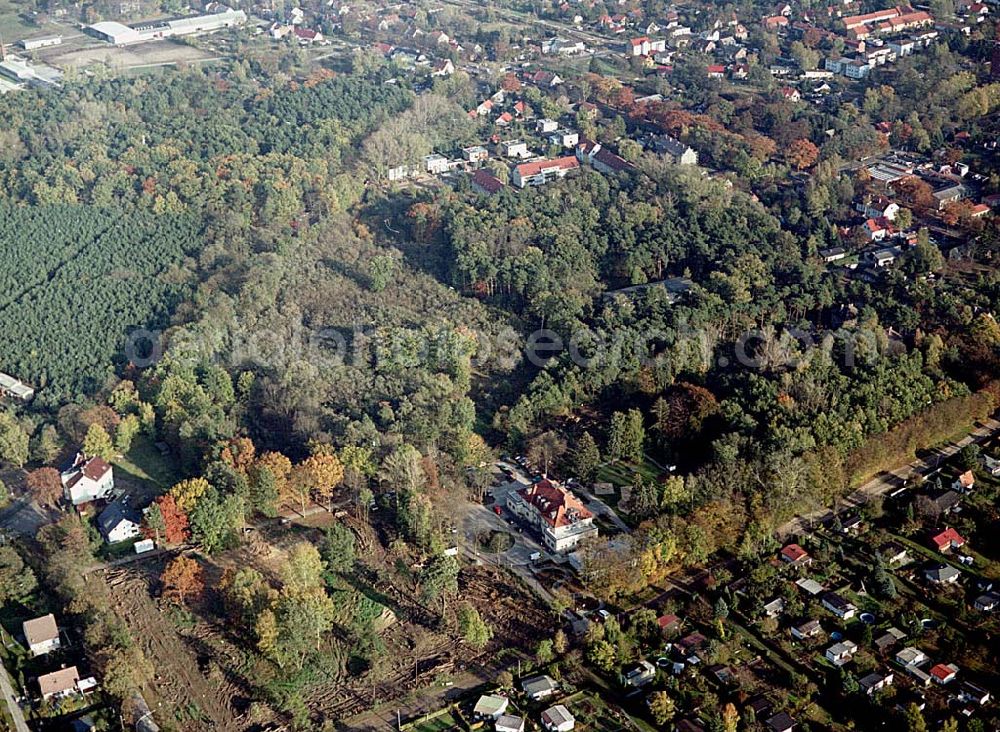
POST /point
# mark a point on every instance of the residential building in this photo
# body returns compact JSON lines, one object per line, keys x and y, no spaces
{"x":490,"y":706}
{"x":560,"y":516}
{"x":888,"y":640}
{"x":840,"y":653}
{"x":558,"y":719}
{"x":41,"y":634}
{"x":942,"y":574}
{"x":894,"y":553}
{"x":810,"y":586}
{"x":806,"y":630}
{"x":875,"y":682}
{"x":564,"y":138}
{"x":11,"y":387}
{"x":514,"y":149}
{"x":435,"y":164}
{"x":987,"y":602}
{"x":965,"y":482}
{"x":539,"y":687}
{"x":781,"y":722}
{"x":475,"y":154}
{"x":87,"y":479}
{"x":669,"y":624}
{"x":878,"y":207}
{"x":59,"y":683}
{"x":833,"y":254}
{"x":120,"y":521}
{"x":837,"y":605}
{"x":690,"y":644}
{"x":639,"y":674}
{"x":485,"y":183}
{"x":795,"y":554}
{"x":675,"y":150}
{"x":775,"y":607}
{"x":944,"y":673}
{"x":911,"y":656}
{"x":546,"y":125}
{"x":948,"y":540}
{"x":509,"y":723}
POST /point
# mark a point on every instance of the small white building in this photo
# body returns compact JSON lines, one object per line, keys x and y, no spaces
{"x":840,"y":653}
{"x":41,"y":634}
{"x":546,"y":125}
{"x":558,"y":719}
{"x":120,"y":521}
{"x":514,"y":148}
{"x":564,"y":138}
{"x":435,"y":164}
{"x":88,"y":480}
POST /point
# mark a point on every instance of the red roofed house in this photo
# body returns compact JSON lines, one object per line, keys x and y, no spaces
{"x":669,"y":624}
{"x":307,"y":35}
{"x":979,"y":210}
{"x":943,"y":673}
{"x":540,"y":172}
{"x":504,"y":119}
{"x":775,"y":22}
{"x":485,"y":183}
{"x":790,"y":94}
{"x":878,"y":229}
{"x":639,"y":46}
{"x":716,"y":71}
{"x":948,"y":540}
{"x":794,"y":554}
{"x":561,"y":517}
{"x":87,"y":480}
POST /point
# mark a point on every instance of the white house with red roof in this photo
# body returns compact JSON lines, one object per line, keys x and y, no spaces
{"x":795,"y":554}
{"x":561,"y":517}
{"x":540,"y":172}
{"x":948,"y":540}
{"x":87,"y":479}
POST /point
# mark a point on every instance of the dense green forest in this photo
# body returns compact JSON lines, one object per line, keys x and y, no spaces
{"x":77,"y":280}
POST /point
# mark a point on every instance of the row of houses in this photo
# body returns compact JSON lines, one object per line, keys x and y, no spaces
{"x":42,"y":637}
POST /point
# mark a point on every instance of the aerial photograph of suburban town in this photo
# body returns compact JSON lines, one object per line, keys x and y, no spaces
{"x":500,"y":365}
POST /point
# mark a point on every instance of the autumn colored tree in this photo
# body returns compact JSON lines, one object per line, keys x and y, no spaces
{"x":181,"y":579}
{"x":187,"y":492}
{"x":319,"y":473}
{"x":45,"y":485}
{"x":280,"y":467}
{"x":167,"y":518}
{"x":239,"y":453}
{"x":915,"y":193}
{"x":801,"y":154}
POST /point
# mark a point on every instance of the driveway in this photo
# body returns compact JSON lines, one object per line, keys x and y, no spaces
{"x":24,"y":517}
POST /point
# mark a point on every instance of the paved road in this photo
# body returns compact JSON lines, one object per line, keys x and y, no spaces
{"x":24,"y":517}
{"x":893,"y":479}
{"x":12,"y":708}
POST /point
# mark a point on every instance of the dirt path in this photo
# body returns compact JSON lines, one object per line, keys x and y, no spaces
{"x":887,"y":482}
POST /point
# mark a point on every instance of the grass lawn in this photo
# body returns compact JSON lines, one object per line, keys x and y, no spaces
{"x":144,"y":462}
{"x":14,"y":26}
{"x":439,"y":723}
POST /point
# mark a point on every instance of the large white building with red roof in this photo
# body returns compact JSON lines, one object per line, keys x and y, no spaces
{"x":87,"y":479}
{"x":560,"y":516}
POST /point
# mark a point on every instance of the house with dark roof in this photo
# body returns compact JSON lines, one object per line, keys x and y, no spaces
{"x":781,"y":722}
{"x":942,"y":574}
{"x":120,"y":521}
{"x":843,"y":609}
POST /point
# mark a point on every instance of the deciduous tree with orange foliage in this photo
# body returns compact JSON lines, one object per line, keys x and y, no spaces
{"x":319,"y":474}
{"x":802,"y":154}
{"x":166,"y":517}
{"x":45,"y":485}
{"x":182,"y":579}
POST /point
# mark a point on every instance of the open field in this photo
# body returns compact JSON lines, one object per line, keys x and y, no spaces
{"x":14,"y":26}
{"x":155,"y":53}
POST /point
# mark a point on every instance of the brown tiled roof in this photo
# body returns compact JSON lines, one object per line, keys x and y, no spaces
{"x":557,"y":505}
{"x":58,"y":681}
{"x":40,"y":629}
